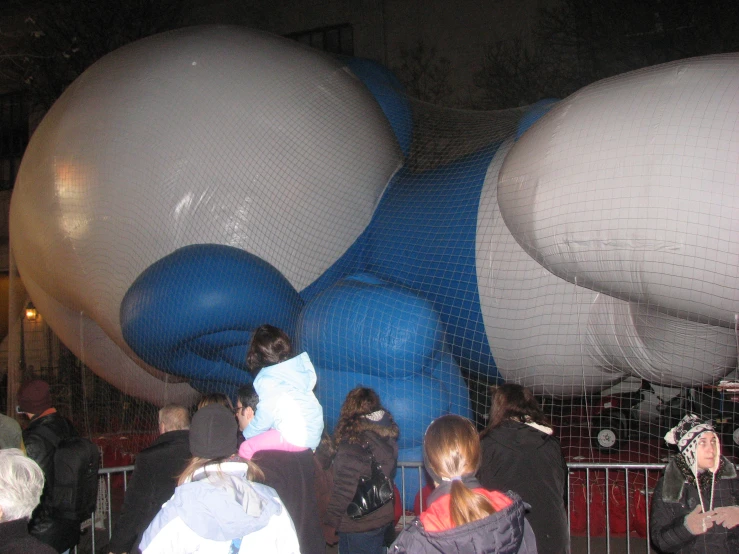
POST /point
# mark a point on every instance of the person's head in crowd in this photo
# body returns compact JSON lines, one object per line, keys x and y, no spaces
{"x":452,"y":453}
{"x":213,"y":441}
{"x":269,"y":346}
{"x":512,"y":401}
{"x":34,"y":398}
{"x":699,"y":450}
{"x":215,"y":398}
{"x":359,"y":402}
{"x":246,"y":405}
{"x":173,"y":417}
{"x":697,"y":443}
{"x":21,"y":485}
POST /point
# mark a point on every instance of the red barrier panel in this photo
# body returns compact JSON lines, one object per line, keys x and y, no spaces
{"x":397,"y":504}
{"x":427,"y":490}
{"x":639,"y":511}
{"x":617,"y":492}
{"x":617,"y":507}
{"x":120,"y":450}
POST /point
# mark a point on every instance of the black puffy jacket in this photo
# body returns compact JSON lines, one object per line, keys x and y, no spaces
{"x":57,"y":532}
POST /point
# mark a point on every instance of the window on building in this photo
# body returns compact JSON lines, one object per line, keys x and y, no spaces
{"x":13,"y":136}
{"x":338,"y":39}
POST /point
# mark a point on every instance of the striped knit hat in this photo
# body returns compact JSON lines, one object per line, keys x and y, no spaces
{"x":685,"y":435}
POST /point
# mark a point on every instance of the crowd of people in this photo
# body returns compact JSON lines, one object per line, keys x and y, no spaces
{"x":264,"y":475}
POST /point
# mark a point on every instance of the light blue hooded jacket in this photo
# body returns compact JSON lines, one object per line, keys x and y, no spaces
{"x":221,"y":512}
{"x":287,"y":403}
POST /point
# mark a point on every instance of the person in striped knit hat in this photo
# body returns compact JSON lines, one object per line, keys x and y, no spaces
{"x":695,"y":506}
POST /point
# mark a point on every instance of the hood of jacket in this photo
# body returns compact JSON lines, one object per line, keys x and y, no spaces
{"x":380,"y":435}
{"x":381,"y":423}
{"x":503,"y":532}
{"x":224,"y":505}
{"x":676,"y":478}
{"x":520,"y":436}
{"x":295,"y":373}
{"x":373,"y":431}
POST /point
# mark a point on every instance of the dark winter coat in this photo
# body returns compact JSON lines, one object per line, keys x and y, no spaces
{"x":518,"y":457}
{"x":504,"y":532}
{"x":291,"y":474}
{"x":14,"y":539}
{"x":153,"y":482}
{"x":58,"y":532}
{"x":353,"y":461}
{"x":676,"y":496}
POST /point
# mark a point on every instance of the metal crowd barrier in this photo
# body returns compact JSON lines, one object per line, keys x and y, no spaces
{"x":408,"y":471}
{"x":105,"y":511}
{"x":595,"y":473}
{"x":607,"y":470}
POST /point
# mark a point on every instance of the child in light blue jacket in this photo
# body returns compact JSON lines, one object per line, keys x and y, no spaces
{"x":288,"y":416}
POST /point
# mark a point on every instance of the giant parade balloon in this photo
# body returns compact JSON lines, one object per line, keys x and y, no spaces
{"x":193,"y":185}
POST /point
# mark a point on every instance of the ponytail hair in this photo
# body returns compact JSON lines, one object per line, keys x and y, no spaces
{"x":467,"y":505}
{"x":452,"y":450}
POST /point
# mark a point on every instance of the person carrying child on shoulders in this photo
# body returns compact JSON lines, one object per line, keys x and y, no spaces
{"x":288,"y":416}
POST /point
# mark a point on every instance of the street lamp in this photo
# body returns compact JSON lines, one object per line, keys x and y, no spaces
{"x":31,"y":313}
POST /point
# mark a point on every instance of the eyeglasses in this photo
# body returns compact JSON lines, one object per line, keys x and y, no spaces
{"x":237,"y":410}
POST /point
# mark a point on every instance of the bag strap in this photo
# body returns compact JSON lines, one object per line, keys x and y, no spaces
{"x":368,"y":446}
{"x":49,"y":435}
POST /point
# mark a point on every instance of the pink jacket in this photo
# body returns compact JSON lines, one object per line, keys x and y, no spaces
{"x":269,"y":440}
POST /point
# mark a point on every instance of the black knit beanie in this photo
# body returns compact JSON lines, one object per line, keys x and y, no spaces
{"x":213,"y":432}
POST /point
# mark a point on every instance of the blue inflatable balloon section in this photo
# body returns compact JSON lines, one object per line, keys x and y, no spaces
{"x":214,"y":296}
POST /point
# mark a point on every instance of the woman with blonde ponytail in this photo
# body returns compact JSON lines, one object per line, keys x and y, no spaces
{"x":462,"y":516}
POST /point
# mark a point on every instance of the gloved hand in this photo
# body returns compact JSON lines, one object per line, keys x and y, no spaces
{"x":699,"y":522}
{"x":727,"y":516}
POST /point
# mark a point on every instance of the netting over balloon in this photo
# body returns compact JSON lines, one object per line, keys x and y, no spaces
{"x":196,"y":184}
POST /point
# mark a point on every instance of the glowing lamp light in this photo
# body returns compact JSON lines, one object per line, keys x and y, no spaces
{"x":31,"y":313}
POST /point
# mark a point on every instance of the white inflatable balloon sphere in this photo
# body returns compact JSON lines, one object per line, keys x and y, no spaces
{"x":557,"y":337}
{"x":536,"y":322}
{"x":217,"y":135}
{"x":631,"y":187}
{"x":644,"y":342}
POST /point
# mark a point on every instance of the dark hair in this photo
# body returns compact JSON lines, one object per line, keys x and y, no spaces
{"x":248,"y":397}
{"x":215,"y":398}
{"x":269,"y":346}
{"x":359,"y":402}
{"x":451,"y":449}
{"x":512,"y":401}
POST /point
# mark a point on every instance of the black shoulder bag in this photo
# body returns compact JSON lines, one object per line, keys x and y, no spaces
{"x":372,"y":493}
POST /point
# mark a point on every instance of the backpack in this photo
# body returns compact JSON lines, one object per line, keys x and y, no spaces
{"x":75,"y":488}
